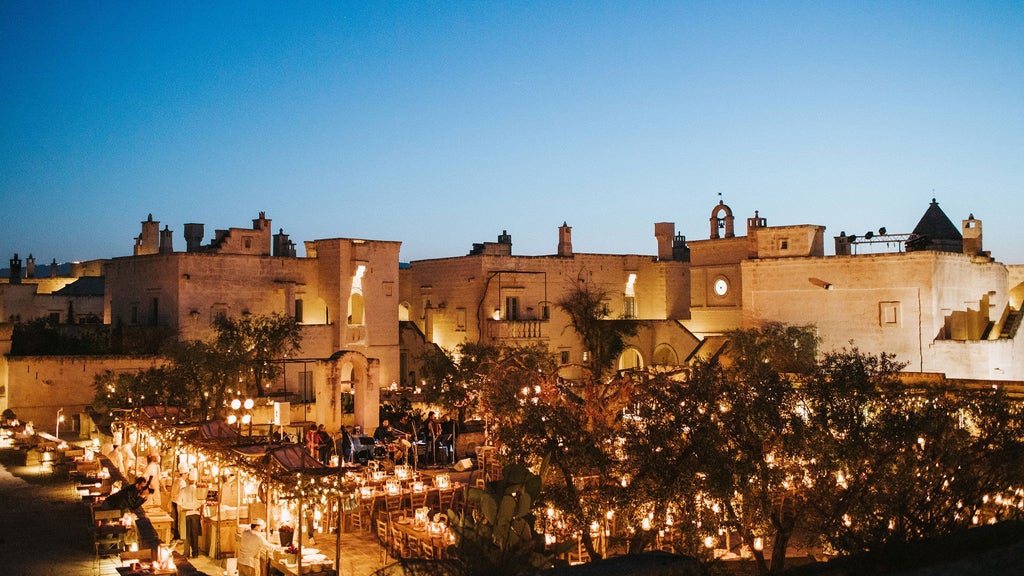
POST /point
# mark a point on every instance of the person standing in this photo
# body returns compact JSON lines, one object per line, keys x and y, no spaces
{"x":251,"y":547}
{"x":179,"y":482}
{"x":153,"y":480}
{"x":433,"y":436}
{"x":312,"y":441}
{"x":190,"y":507}
{"x":346,"y":444}
{"x":325,"y":445}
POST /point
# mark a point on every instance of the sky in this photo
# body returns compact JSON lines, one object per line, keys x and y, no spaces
{"x":440,"y":124}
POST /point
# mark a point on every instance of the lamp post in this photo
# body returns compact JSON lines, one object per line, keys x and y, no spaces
{"x":60,"y":418}
{"x":246,"y":418}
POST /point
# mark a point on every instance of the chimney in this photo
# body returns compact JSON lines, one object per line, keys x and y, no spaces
{"x":663,"y":233}
{"x":166,"y":241}
{"x":283,"y":246}
{"x":680,"y":251}
{"x":148,"y":242}
{"x":565,"y":240}
{"x":971,"y":231}
{"x":15,"y":270}
{"x":193,"y":237}
{"x":30,"y":267}
{"x":53,"y":269}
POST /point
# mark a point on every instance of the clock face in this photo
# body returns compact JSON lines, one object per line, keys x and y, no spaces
{"x":721,"y":286}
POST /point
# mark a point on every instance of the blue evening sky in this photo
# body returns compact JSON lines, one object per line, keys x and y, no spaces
{"x":442,"y":124}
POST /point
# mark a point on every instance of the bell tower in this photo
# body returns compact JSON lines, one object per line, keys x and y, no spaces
{"x":722,"y":221}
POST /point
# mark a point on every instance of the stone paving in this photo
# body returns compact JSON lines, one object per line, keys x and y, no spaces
{"x":44,"y":530}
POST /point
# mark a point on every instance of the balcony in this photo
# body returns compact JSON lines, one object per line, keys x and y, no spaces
{"x":356,"y":333}
{"x":515,"y":329}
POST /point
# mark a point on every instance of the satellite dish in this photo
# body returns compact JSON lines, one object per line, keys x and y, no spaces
{"x":868,"y":235}
{"x":853,"y":237}
{"x":881,"y":230}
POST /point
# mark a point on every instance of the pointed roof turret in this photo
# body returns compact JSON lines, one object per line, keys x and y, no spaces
{"x":936,"y":232}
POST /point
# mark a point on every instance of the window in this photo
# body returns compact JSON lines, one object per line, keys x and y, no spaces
{"x":247,"y":242}
{"x":629,"y":302}
{"x":784,"y":244}
{"x":565,"y":356}
{"x":511,"y":308}
{"x":155,"y":318}
{"x":629,"y":307}
{"x":460,"y":319}
{"x":306,"y":386}
{"x":545,"y":311}
{"x":298,"y":310}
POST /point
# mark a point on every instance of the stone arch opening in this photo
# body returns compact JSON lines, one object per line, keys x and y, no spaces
{"x":403,"y":312}
{"x":722,"y":221}
{"x":630,"y":359}
{"x":350,"y":390}
{"x":665,"y":355}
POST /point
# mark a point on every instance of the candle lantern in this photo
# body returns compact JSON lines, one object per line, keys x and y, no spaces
{"x":421,"y":515}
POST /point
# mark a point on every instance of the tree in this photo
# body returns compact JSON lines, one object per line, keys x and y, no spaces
{"x":603,"y":339}
{"x":768,"y":441}
{"x":252,"y":343}
{"x":202,"y":375}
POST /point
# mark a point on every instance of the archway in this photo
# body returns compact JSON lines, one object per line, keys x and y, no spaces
{"x":630,"y":359}
{"x":665,"y":355}
{"x":350,"y":384}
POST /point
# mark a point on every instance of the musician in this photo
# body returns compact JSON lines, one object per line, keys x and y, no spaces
{"x":433,"y":434}
{"x":383,"y":434}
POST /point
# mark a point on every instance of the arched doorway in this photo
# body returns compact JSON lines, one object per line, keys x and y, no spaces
{"x":631,"y":359}
{"x":665,"y":355}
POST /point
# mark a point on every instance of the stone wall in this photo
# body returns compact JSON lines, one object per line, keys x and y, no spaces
{"x":37,"y":386}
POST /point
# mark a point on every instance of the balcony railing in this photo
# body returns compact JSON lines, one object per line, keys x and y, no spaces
{"x":515,"y":329}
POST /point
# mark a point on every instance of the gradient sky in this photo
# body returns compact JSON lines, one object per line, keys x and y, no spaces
{"x":442,"y":124}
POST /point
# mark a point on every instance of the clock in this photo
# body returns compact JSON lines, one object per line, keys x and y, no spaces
{"x":721,"y":286}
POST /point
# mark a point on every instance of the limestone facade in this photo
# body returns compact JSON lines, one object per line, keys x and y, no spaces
{"x":493,"y":296}
{"x":343,"y":293}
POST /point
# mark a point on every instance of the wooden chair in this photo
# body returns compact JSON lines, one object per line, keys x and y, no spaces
{"x":417,"y":499}
{"x":578,"y":555}
{"x":362,"y":515}
{"x":393,"y":502}
{"x":399,"y":545}
{"x":397,"y":515}
{"x":383,"y":540}
{"x":445,"y":499}
{"x":427,"y":550}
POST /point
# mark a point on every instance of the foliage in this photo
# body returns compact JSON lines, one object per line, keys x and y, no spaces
{"x":252,"y":343}
{"x":42,"y":337}
{"x":501,"y":540}
{"x":770,"y":441}
{"x":204,"y":376}
{"x":603,"y":339}
{"x":453,"y":378}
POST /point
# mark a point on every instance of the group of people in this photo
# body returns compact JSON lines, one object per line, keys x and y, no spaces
{"x":437,"y":434}
{"x":319,"y":443}
{"x":185,"y":504}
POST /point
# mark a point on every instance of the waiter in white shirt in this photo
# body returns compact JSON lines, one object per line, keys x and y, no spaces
{"x":250,"y":549}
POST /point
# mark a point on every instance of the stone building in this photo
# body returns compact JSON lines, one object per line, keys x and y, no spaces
{"x":936,"y":299}
{"x":343,"y":294}
{"x":494,"y":296}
